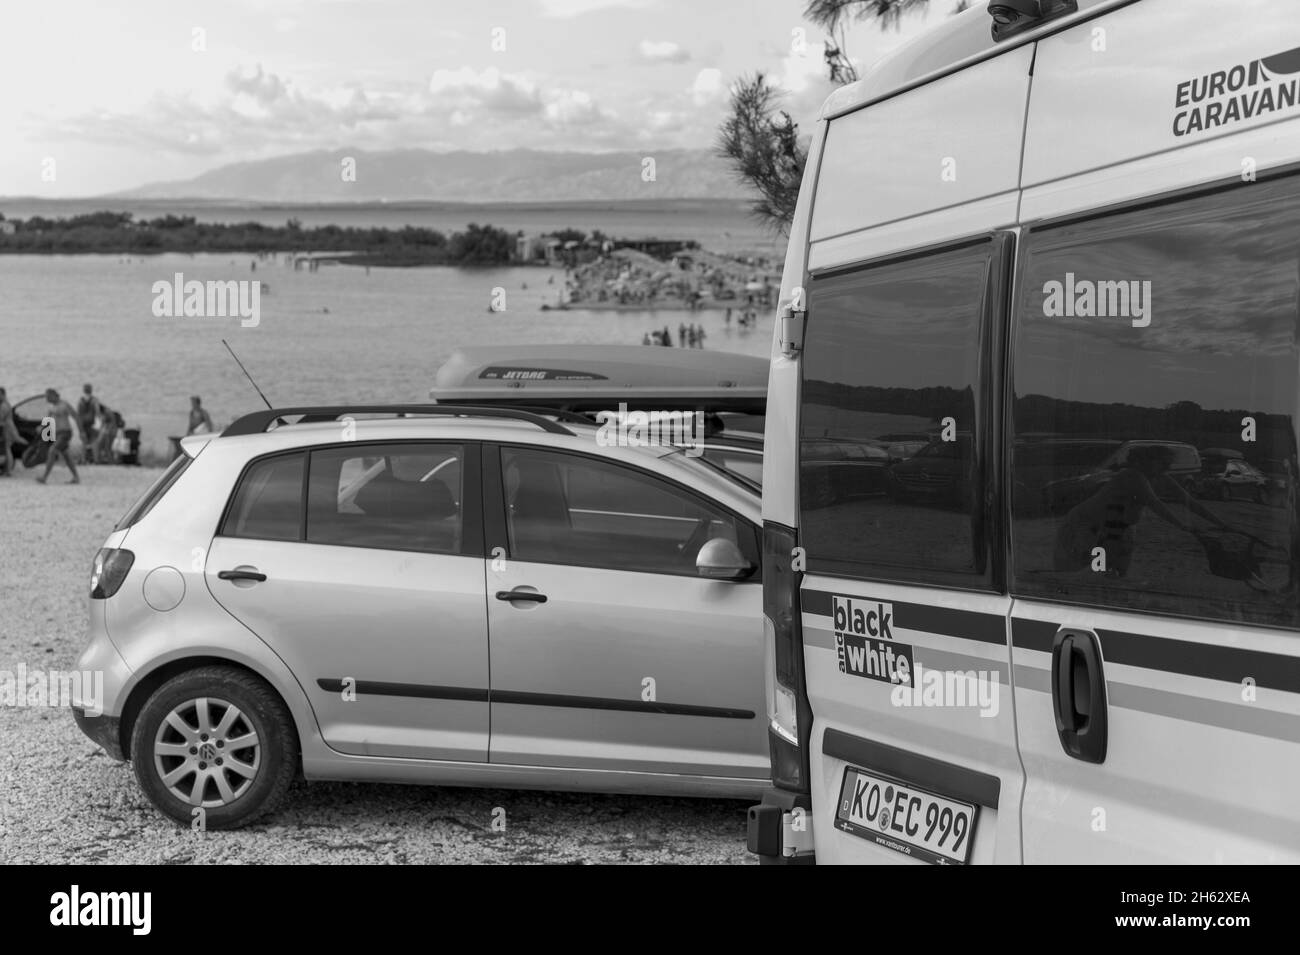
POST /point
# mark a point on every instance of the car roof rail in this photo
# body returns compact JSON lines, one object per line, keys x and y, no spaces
{"x":258,"y":421}
{"x":559,"y":414}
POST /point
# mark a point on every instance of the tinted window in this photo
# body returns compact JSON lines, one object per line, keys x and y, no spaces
{"x":888,"y":464}
{"x":1169,"y":335}
{"x":268,"y":503}
{"x":393,"y":497}
{"x":568,"y":509}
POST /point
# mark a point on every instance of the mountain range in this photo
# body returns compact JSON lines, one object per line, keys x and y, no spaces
{"x":517,"y":175}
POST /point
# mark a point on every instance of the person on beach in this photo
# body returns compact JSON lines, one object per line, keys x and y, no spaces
{"x":645,"y":339}
{"x":8,"y":433}
{"x":200,"y":420}
{"x":667,"y":337}
{"x":728,"y":319}
{"x":90,"y":413}
{"x":681,"y":335}
{"x":104,"y":443}
{"x":699,"y":336}
{"x":61,"y":415}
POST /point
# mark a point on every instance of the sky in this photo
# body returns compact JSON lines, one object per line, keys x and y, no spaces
{"x":101,"y":97}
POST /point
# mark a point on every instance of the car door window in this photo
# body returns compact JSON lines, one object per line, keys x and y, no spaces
{"x":390,"y":497}
{"x":571,"y":509}
{"x":267,"y":505}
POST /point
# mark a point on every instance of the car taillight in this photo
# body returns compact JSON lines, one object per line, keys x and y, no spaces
{"x":789,"y":716}
{"x":111,"y":567}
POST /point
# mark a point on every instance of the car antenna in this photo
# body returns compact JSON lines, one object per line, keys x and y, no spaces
{"x":247,"y":375}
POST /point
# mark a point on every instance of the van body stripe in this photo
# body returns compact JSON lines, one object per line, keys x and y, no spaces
{"x":963,"y":624}
{"x":1211,"y":661}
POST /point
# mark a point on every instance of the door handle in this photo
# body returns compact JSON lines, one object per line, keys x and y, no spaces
{"x":240,"y":575}
{"x":1079,"y":694}
{"x":521,"y":595}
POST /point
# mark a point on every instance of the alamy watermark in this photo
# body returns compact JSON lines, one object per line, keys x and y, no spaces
{"x":212,"y":299}
{"x":1083,"y":298}
{"x":950,"y":688}
{"x":83,"y":689}
{"x":128,"y":909}
{"x":649,"y":429}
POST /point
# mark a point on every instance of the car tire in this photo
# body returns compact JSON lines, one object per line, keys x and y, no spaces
{"x":256,"y":775}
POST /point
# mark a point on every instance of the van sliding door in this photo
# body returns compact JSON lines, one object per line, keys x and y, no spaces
{"x":1156,"y":537}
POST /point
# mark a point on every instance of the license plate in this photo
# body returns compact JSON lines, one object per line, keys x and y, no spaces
{"x":906,"y":819}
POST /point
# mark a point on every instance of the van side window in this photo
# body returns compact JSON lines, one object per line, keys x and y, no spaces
{"x":1155,"y":394}
{"x":388,"y":497}
{"x":268,"y":502}
{"x":890,"y":451}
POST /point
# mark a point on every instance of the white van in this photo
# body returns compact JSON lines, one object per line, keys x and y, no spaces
{"x":1044,"y":230}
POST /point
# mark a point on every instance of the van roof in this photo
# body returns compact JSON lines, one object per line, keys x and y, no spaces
{"x":958,"y":41}
{"x":597,"y":377}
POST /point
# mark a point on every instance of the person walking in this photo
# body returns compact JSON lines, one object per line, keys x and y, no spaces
{"x":8,"y":433}
{"x":60,"y":414}
{"x":90,"y":414}
{"x":200,"y":420}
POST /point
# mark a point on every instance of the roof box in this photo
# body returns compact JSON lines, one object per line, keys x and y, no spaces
{"x":599,"y":377}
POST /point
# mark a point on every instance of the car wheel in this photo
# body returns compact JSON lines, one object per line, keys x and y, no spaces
{"x":217,"y":739}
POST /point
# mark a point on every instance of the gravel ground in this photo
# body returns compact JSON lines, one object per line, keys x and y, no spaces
{"x":62,"y":800}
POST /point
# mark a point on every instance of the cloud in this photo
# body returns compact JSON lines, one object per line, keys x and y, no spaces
{"x":574,"y":108}
{"x":802,"y":77}
{"x":257,"y":113}
{"x":264,"y":88}
{"x":489,"y":89}
{"x":573,"y":8}
{"x":707,"y":87}
{"x":662,"y":51}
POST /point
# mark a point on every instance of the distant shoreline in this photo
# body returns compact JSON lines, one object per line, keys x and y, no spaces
{"x":119,"y":233}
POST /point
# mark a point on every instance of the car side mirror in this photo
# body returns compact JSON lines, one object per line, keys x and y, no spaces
{"x":720,"y":559}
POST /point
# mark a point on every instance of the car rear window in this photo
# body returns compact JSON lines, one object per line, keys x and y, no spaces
{"x":895,"y":351}
{"x":171,"y":474}
{"x":268,"y":505}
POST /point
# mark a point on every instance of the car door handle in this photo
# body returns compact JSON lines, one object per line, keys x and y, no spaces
{"x":521,"y":595}
{"x":240,"y":575}
{"x":1079,"y":695}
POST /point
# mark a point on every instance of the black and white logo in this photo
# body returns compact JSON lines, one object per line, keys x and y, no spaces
{"x":864,"y":641}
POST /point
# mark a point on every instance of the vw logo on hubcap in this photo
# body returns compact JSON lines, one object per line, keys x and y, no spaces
{"x":207,"y":752}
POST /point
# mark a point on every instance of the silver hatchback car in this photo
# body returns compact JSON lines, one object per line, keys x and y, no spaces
{"x":429,"y":594}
